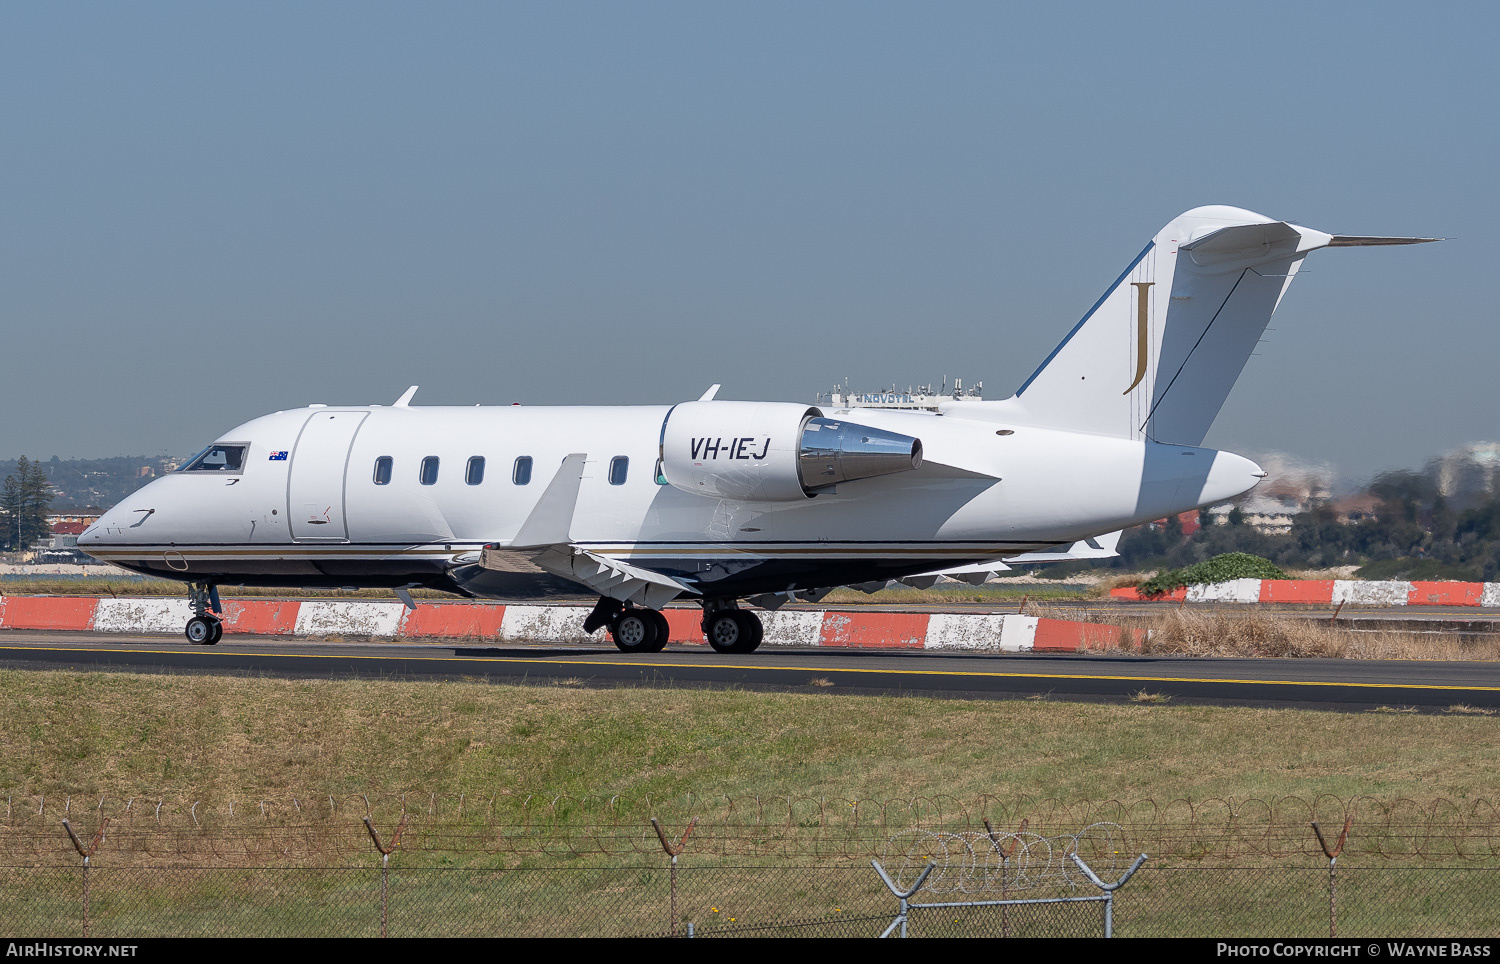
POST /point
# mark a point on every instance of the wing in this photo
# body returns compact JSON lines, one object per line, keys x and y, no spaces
{"x":544,"y":542}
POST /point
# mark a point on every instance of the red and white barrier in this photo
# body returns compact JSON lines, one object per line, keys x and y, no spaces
{"x":558,"y":624}
{"x":1331,"y":592}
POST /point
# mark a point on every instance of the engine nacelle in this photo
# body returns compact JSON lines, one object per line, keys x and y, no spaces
{"x":774,"y":451}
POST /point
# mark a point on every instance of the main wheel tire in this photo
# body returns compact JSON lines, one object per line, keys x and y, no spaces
{"x":757,"y":632}
{"x":633,"y":631}
{"x":663,"y":631}
{"x":218,"y":633}
{"x":200,"y":631}
{"x":732,"y":631}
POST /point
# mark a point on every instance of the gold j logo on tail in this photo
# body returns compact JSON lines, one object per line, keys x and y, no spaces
{"x":1142,"y":305}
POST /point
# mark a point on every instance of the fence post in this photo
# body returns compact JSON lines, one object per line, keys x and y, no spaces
{"x":86,"y":853}
{"x":1332,"y":853}
{"x":385,"y":862}
{"x":673,"y":850}
{"x":1109,"y":889}
{"x":903,"y":896}
{"x":1005,"y":855}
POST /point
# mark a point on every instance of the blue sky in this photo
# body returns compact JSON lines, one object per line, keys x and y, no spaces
{"x":211,"y":211}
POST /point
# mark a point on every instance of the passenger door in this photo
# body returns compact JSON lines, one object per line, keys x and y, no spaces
{"x":315,"y":484}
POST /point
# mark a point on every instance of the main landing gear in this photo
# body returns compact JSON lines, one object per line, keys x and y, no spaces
{"x":204,"y":629}
{"x":731,"y":630}
{"x":633,"y":629}
{"x":637,"y":630}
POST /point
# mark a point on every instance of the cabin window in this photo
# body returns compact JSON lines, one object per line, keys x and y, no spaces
{"x":619,"y":467}
{"x":429,"y":470}
{"x":521,"y":474}
{"x":383,"y":470}
{"x":474,"y":474}
{"x":218,"y":458}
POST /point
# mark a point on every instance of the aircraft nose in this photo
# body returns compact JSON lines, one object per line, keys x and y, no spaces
{"x":115,"y":519}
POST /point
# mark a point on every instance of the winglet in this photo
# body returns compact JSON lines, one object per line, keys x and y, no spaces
{"x":550,"y":521}
{"x":405,"y":400}
{"x":708,"y":396}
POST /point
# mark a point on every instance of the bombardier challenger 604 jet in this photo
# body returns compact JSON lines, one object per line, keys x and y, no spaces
{"x":724,"y":501}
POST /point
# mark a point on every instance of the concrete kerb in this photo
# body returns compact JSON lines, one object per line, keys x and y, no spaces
{"x":1330,"y":592}
{"x":557,"y":624}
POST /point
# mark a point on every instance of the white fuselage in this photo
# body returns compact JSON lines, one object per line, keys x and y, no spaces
{"x":305,"y":508}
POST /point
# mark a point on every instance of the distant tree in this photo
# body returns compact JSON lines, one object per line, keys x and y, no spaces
{"x":1236,"y":516}
{"x":12,"y":503}
{"x":26,"y":497}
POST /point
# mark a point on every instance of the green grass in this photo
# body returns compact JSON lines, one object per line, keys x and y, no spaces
{"x":222,"y":739}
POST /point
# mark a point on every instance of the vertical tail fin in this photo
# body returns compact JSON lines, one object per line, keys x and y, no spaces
{"x":1157,"y":355}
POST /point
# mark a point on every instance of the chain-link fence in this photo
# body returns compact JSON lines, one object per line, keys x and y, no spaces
{"x":846,"y":899}
{"x":806,"y":870}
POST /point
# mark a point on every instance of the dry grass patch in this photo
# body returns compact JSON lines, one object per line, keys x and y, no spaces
{"x":1188,"y":632}
{"x":1145,"y":696}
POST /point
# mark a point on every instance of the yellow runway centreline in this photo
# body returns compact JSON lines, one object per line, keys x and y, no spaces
{"x":520,"y":660}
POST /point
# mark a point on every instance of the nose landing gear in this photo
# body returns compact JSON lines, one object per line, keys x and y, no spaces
{"x":204,"y":628}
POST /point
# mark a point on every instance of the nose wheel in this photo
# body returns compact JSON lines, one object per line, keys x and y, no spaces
{"x":204,"y":628}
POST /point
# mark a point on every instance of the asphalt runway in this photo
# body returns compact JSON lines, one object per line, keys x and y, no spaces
{"x":1345,"y":685}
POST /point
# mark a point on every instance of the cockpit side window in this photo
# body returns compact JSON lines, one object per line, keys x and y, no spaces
{"x":225,"y":457}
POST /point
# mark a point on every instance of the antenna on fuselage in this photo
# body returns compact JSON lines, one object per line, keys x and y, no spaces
{"x":405,"y":400}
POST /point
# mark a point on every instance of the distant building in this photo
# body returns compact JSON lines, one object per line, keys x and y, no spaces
{"x":85,"y":516}
{"x":1267,"y":515}
{"x":922,"y":398}
{"x":65,"y":534}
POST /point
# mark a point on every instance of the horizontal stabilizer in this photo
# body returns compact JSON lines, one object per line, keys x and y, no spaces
{"x":1360,"y":241}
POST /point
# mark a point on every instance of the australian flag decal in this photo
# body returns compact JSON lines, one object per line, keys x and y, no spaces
{"x":278,"y":456}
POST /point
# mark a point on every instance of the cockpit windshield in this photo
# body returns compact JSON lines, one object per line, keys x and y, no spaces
{"x":219,"y":457}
